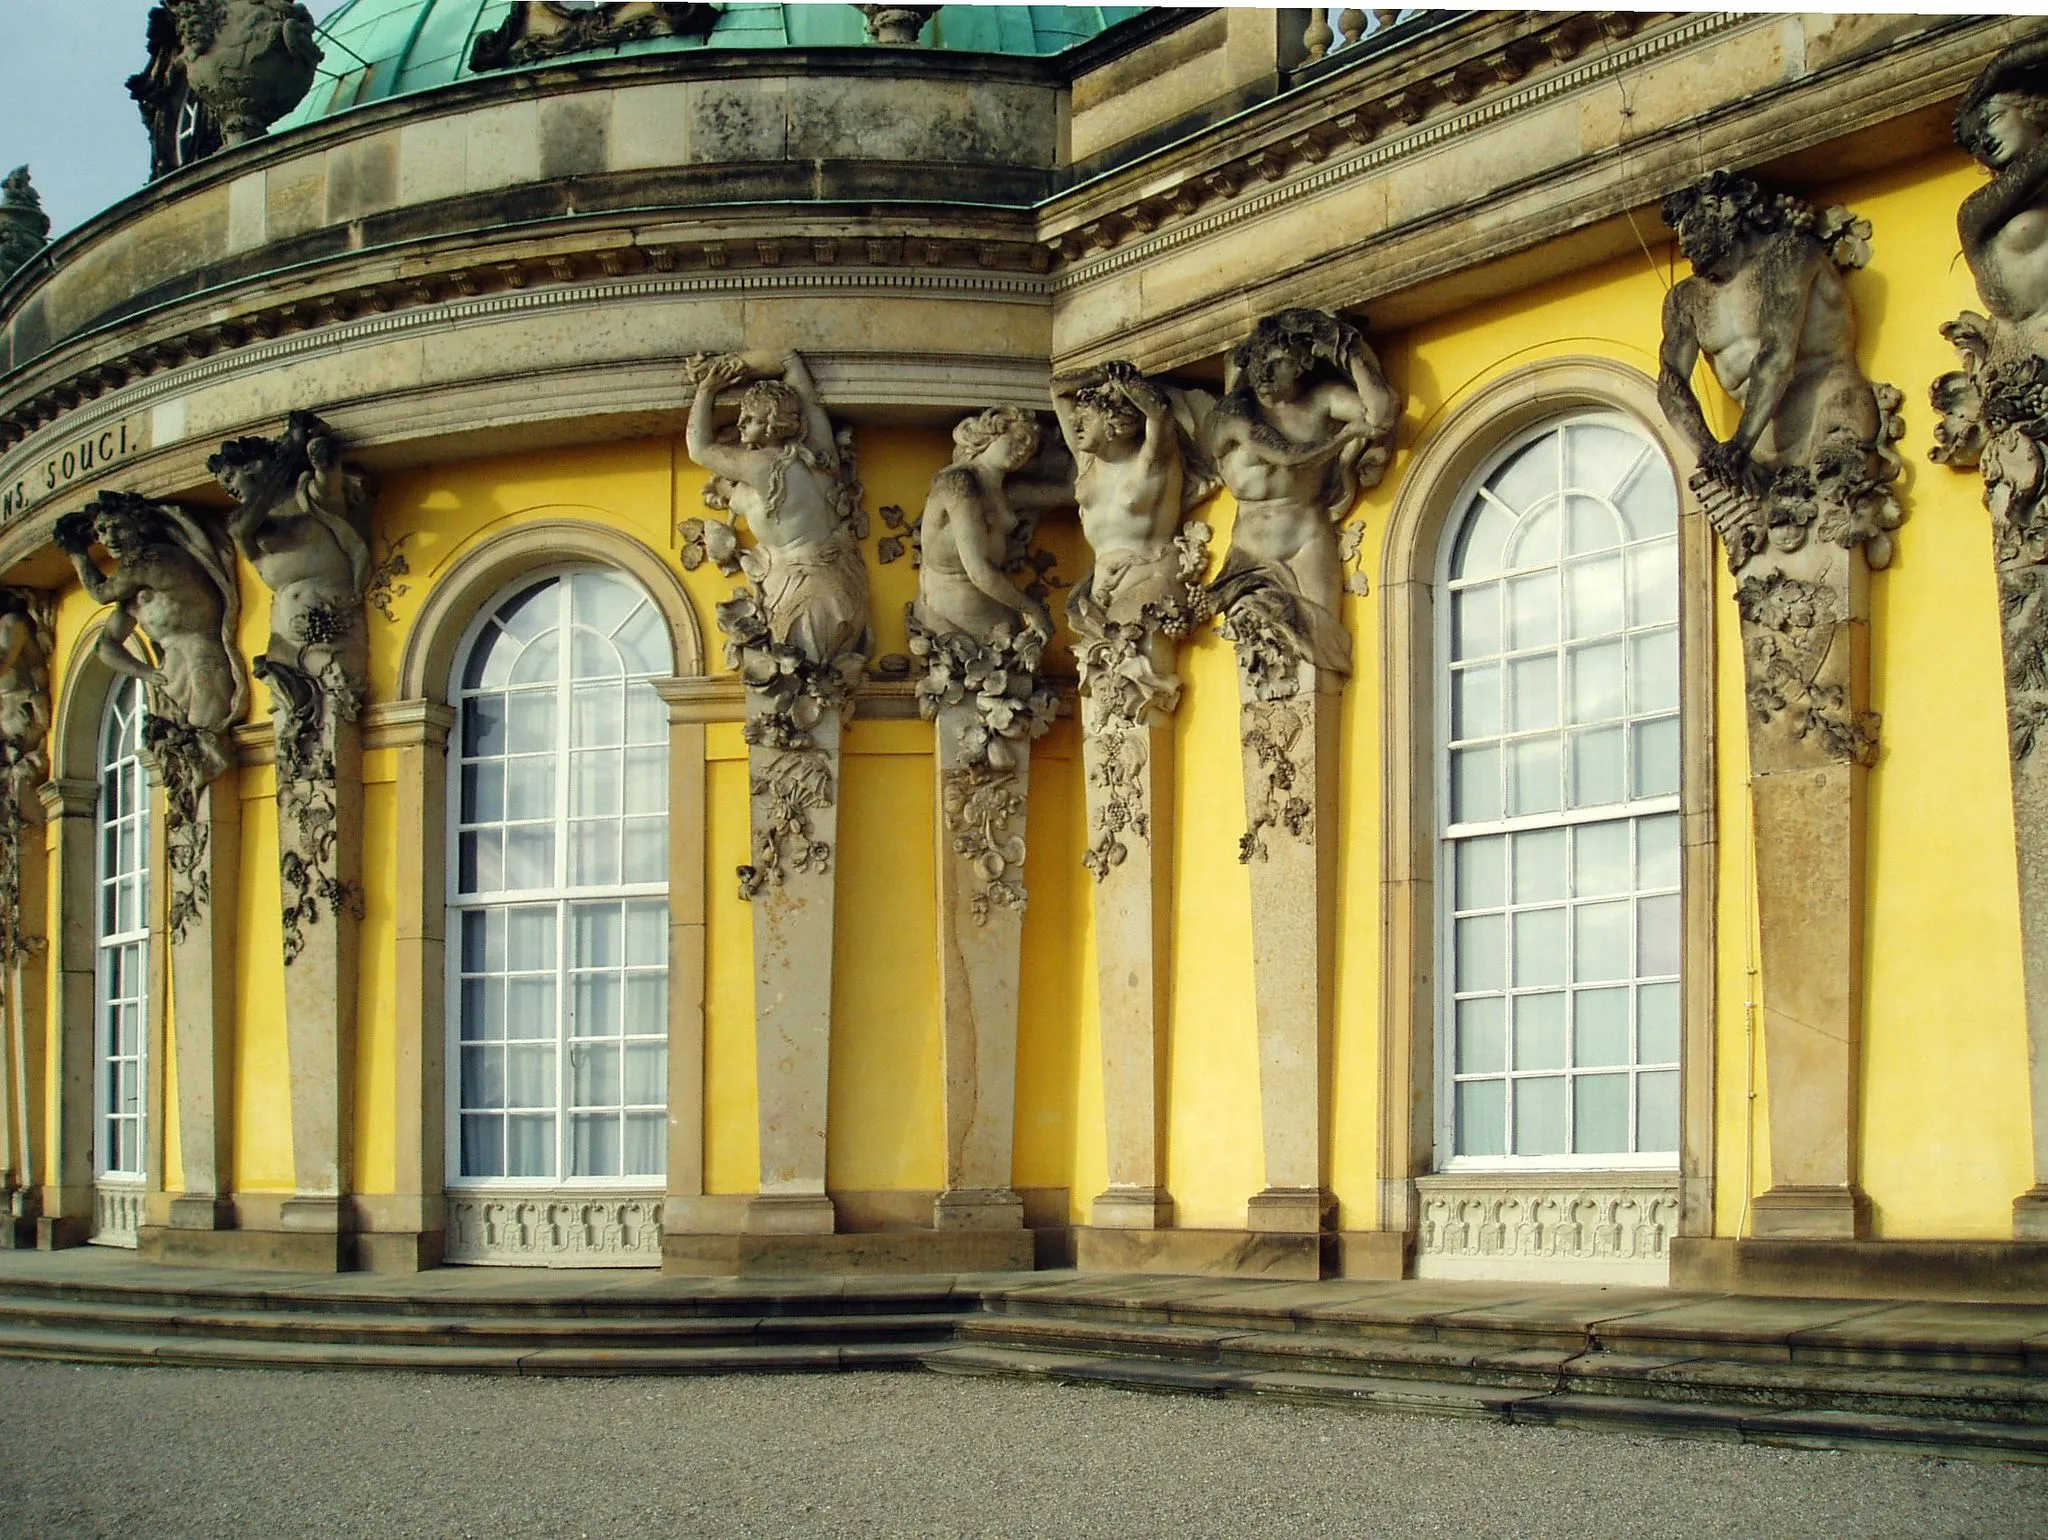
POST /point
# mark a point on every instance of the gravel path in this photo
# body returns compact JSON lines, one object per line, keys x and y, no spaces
{"x":165,"y":1453}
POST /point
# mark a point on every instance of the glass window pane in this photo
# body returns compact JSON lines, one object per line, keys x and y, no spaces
{"x":1532,"y":611}
{"x":1657,"y":1112}
{"x":1653,"y":584}
{"x":483,"y":940}
{"x":530,"y":787}
{"x":540,"y":662}
{"x":480,"y":861}
{"x":530,"y":1006}
{"x":483,"y":1145}
{"x":1533,"y":778}
{"x":594,"y":1005}
{"x":1482,"y":873}
{"x":483,"y":1010}
{"x":1653,"y":671}
{"x":1482,"y":1047}
{"x":529,"y":856}
{"x":532,"y":610}
{"x":647,"y":780}
{"x":1532,"y":692}
{"x":1596,"y":682}
{"x":1650,"y":499}
{"x":1475,"y":785}
{"x":530,"y":1075}
{"x":594,"y":1072}
{"x":1534,"y":542}
{"x":483,"y":792}
{"x":1656,"y":757}
{"x":646,"y":716}
{"x":1539,"y":947}
{"x":490,"y":660}
{"x":1657,"y":936}
{"x":1657,"y":852}
{"x":594,"y":782}
{"x":595,"y":1145}
{"x":530,"y":1144}
{"x":646,"y":1004}
{"x":597,"y":716}
{"x":1600,"y":937}
{"x":597,"y":936}
{"x":593,"y":657}
{"x":1527,"y":477}
{"x":1597,"y":778}
{"x":1590,"y":526}
{"x":1539,"y":866}
{"x":1599,"y":1027}
{"x":646,"y":850}
{"x":1482,"y":953}
{"x":643,"y":643}
{"x":1600,"y":1114}
{"x":483,"y":726}
{"x":647,"y":935}
{"x":1482,"y":1117}
{"x":1539,"y":1031}
{"x":594,"y":854}
{"x":601,"y":600}
{"x":1480,"y":541}
{"x":1593,"y":596}
{"x":1475,"y":622}
{"x":646,"y":1144}
{"x":530,"y":722}
{"x":1599,"y":458}
{"x":1475,"y":702}
{"x":483,"y":1077}
{"x":529,"y":936}
{"x":646,"y":1083}
{"x":1540,"y":1116}
{"x":1657,"y":1024}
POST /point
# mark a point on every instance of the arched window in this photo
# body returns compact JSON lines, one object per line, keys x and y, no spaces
{"x":559,"y":889}
{"x":1558,"y":789}
{"x":121,"y":969}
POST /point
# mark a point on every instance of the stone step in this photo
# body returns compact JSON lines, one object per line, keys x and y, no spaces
{"x":1916,"y":1392}
{"x":511,"y":1333}
{"x":85,"y":1346}
{"x":1837,"y":1429}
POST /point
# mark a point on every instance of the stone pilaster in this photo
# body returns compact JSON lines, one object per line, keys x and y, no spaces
{"x":69,"y":844}
{"x":1289,"y":848}
{"x":1131,"y":772}
{"x":794,"y":815}
{"x":201,"y":848}
{"x":319,"y":849}
{"x":980,"y":840}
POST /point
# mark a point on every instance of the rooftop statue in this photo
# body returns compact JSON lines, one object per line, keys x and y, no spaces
{"x":220,"y":72}
{"x":1307,"y":422}
{"x":536,"y":30}
{"x":24,"y":227}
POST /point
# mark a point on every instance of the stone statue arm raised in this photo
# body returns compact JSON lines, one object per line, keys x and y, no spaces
{"x":818,"y":432}
{"x":115,"y":589}
{"x":956,"y":508}
{"x":1378,"y":407}
{"x":1678,"y":356}
{"x":698,"y":433}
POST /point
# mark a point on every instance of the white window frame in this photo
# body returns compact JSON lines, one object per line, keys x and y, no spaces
{"x":106,"y":942}
{"x":562,"y":897}
{"x":1445,"y":1161}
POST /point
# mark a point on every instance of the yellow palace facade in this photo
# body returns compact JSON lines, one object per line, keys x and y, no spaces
{"x":1576,"y":848}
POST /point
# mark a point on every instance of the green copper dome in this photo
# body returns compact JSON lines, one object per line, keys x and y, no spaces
{"x":380,"y":48}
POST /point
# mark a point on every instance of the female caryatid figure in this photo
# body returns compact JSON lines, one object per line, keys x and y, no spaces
{"x":1306,"y":424}
{"x":972,"y":520}
{"x":787,"y":477}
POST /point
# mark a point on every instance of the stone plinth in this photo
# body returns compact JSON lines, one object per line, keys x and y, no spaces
{"x":203,"y":859}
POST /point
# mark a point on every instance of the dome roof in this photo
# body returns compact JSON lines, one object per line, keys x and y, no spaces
{"x":380,"y":48}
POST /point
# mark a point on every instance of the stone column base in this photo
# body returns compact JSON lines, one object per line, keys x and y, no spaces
{"x":1132,"y":1208}
{"x":316,"y":1215}
{"x":2030,"y":1215}
{"x":1291,"y":1210}
{"x":887,"y":1251}
{"x":978,"y":1208}
{"x":1810,"y":1214}
{"x":60,"y":1232}
{"x":777,"y":1213}
{"x":18,"y":1224}
{"x":201,"y":1211}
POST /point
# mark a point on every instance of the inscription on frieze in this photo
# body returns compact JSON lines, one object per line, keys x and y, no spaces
{"x":89,"y":454}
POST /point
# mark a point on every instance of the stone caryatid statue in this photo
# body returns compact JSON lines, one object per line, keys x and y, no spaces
{"x":1137,"y":474}
{"x":1306,"y":423}
{"x":173,"y":584}
{"x":27,"y":640}
{"x":981,"y":635}
{"x":801,"y":636}
{"x":220,"y":72}
{"x":1801,"y":493}
{"x":1994,"y":416}
{"x":24,"y":227}
{"x":1806,"y":479}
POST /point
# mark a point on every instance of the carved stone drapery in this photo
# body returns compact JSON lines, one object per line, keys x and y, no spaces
{"x":27,"y":640}
{"x":301,"y":521}
{"x":979,"y":639}
{"x":221,"y":72}
{"x":1306,"y":422}
{"x":1994,"y":416}
{"x":799,"y":636}
{"x":1802,"y":497}
{"x":24,"y":227}
{"x":174,"y":587}
{"x":1137,"y":472}
{"x":534,"y":31}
